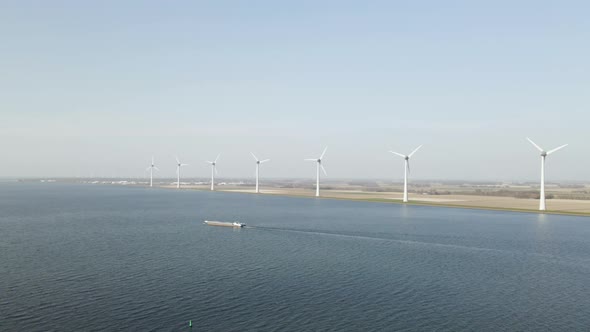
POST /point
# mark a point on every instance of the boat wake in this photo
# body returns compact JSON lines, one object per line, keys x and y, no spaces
{"x":381,"y":237}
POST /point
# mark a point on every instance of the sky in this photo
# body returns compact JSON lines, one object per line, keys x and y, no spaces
{"x":96,"y":88}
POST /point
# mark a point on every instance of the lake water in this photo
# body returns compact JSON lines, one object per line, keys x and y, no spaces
{"x":96,"y":258}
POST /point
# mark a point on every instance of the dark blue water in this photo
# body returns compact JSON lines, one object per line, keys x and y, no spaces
{"x":95,"y":258}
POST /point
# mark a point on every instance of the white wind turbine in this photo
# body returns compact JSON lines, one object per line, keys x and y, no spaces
{"x":543,"y":155}
{"x":151,"y":168}
{"x":258,"y":162}
{"x":319,"y":165}
{"x":213,"y":171}
{"x":178,"y":166}
{"x":406,"y":170}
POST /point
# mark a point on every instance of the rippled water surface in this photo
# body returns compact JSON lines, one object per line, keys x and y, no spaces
{"x":94,"y":258}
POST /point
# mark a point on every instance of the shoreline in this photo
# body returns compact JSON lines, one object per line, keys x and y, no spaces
{"x":381,"y":197}
{"x":558,"y":206}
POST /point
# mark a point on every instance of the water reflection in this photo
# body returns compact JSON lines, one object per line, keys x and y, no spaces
{"x":542,"y":230}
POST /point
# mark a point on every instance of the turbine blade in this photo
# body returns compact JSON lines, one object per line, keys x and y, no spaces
{"x":408,"y":166}
{"x":265,"y":160}
{"x":535,"y":145}
{"x":418,"y":148}
{"x":177,"y":161}
{"x":147,"y":169}
{"x":323,"y":153}
{"x":399,"y":154}
{"x":254,"y":156}
{"x":311,"y":159}
{"x":558,"y":148}
{"x":152,"y":160}
{"x":217,"y":157}
{"x":208,"y":162}
{"x":157,"y":169}
{"x":323,"y":169}
{"x":183,"y":164}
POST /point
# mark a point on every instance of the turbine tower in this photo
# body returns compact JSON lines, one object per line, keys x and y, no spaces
{"x":319,"y":165}
{"x":178,"y":166}
{"x":213,"y":171}
{"x":151,"y":168}
{"x":406,"y":170}
{"x":258,"y":162}
{"x":543,"y":155}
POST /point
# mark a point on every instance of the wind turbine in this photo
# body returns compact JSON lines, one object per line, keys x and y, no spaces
{"x":213,"y":171}
{"x":151,"y":168}
{"x":319,"y":165}
{"x":178,"y":166}
{"x":406,"y":170}
{"x":258,"y":162}
{"x":543,"y":155}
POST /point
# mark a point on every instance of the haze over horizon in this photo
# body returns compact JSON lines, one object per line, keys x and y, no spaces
{"x":97,"y":89}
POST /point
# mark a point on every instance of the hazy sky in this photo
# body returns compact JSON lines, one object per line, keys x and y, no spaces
{"x":98,"y":87}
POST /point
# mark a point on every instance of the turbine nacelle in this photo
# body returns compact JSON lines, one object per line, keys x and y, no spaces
{"x":258,"y":161}
{"x":214,"y":162}
{"x":179,"y":164}
{"x":152,"y":166}
{"x":319,"y":160}
{"x":543,"y":152}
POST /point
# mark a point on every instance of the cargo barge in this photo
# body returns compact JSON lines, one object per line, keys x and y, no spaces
{"x":224,"y":223}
